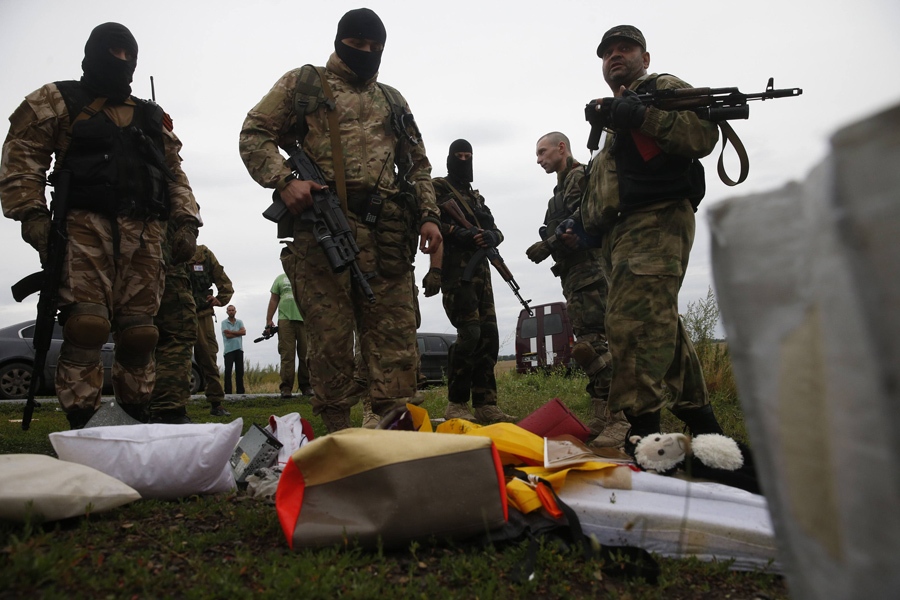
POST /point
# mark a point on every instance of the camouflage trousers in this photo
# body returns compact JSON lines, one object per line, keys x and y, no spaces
{"x":586,"y":307}
{"x":654,"y":362}
{"x":333,"y":309}
{"x":473,"y":357}
{"x":177,"y":324}
{"x":128,"y":284}
{"x":205,"y":353}
{"x":291,"y":343}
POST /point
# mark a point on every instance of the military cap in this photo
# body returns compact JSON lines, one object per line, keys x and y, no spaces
{"x":627,"y":32}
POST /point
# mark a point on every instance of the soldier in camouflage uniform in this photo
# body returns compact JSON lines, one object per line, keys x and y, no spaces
{"x":644,"y":188}
{"x":469,"y":301}
{"x":177,"y":325}
{"x":126,"y":176}
{"x":583,"y":284}
{"x":205,"y":272}
{"x":377,"y":133}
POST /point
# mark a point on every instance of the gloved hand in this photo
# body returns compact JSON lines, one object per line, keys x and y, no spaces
{"x":184,"y":243}
{"x":596,"y":112}
{"x":465,"y":238}
{"x":36,"y":231}
{"x":627,"y":112}
{"x":538,"y":252}
{"x":432,"y":282}
{"x":489,"y":239}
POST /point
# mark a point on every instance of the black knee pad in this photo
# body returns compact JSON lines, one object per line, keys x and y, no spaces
{"x":135,"y":340}
{"x":85,"y":332}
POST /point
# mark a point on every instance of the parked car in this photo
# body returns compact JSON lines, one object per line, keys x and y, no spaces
{"x":17,"y":362}
{"x":434,"y":349}
{"x":545,"y":340}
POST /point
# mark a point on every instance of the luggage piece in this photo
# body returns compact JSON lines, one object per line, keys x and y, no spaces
{"x":396,"y":486}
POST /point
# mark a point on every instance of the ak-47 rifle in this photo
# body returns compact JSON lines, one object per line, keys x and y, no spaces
{"x":46,"y":282}
{"x":711,"y":104}
{"x":489,"y":252}
{"x":329,"y":223}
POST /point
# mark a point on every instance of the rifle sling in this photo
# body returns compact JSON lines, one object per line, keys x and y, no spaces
{"x":337,"y":151}
{"x":463,"y":202}
{"x":728,"y":135}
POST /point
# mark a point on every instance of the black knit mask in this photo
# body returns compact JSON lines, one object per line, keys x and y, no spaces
{"x":363,"y":24}
{"x":104,"y":74}
{"x":456,"y":168}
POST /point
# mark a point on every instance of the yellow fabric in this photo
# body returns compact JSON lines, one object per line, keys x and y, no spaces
{"x":421,"y":420}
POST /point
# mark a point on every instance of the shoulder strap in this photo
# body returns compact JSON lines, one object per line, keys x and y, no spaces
{"x":462,"y":201}
{"x":337,"y":151}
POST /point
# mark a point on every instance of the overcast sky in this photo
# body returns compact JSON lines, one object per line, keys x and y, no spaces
{"x":499,"y":74}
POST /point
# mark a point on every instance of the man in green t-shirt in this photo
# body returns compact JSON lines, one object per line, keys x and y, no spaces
{"x":291,"y":337}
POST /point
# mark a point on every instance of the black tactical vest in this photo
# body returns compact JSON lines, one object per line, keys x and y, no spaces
{"x":116,"y":170}
{"x":201,"y":280}
{"x":663,"y":177}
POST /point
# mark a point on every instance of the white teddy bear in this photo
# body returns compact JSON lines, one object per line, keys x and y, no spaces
{"x":662,"y":452}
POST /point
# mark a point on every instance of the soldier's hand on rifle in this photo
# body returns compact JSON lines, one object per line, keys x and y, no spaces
{"x":36,"y":231}
{"x":465,"y":238}
{"x":432,"y":282}
{"x":538,"y":252}
{"x":487,"y":239}
{"x":627,"y":112}
{"x":213,"y":301}
{"x":565,"y":231}
{"x":297,"y":195}
{"x":430,"y":238}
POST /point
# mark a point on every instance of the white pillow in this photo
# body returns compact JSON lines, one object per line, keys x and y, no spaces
{"x":159,"y":460}
{"x":53,"y":489}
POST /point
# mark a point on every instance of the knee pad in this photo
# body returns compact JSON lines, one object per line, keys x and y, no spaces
{"x":85,"y":331}
{"x":136,"y":340}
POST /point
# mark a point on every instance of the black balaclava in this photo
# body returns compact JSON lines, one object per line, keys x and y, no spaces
{"x":456,"y":168}
{"x":104,"y":74}
{"x":364,"y":24}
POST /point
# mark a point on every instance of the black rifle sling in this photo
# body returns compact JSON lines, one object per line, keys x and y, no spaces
{"x":728,"y":135}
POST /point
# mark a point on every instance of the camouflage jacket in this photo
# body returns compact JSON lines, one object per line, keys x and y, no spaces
{"x":575,"y":268}
{"x":205,"y":271}
{"x":367,"y":139}
{"x":38,"y":131}
{"x":473,"y":207}
{"x":680,"y":133}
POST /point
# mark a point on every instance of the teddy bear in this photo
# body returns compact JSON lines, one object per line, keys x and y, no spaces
{"x":707,"y":456}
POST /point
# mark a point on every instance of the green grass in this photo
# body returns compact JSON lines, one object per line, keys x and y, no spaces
{"x":232,"y":546}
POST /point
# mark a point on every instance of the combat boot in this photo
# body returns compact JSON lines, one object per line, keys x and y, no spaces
{"x":138,"y":412}
{"x":173,"y":416}
{"x":458,"y":410}
{"x":641,"y":426}
{"x":700,"y":420}
{"x":491,"y":413}
{"x":79,"y":417}
{"x":370,"y":419}
{"x":609,"y":429}
{"x":336,"y":419}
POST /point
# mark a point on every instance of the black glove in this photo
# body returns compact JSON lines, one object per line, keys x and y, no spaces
{"x":432,"y":282}
{"x":36,"y":231}
{"x":538,"y":252}
{"x":465,"y":238}
{"x":490,"y":239}
{"x":627,"y":112}
{"x":596,"y":112}
{"x":582,"y":238}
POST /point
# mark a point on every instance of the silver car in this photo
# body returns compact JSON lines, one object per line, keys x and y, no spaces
{"x":17,"y":362}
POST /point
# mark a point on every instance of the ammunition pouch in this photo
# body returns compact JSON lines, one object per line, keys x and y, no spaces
{"x":395,"y":235}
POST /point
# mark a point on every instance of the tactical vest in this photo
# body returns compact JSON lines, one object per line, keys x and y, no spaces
{"x":557,"y":212}
{"x":201,"y":280}
{"x":116,"y":170}
{"x":662,"y":177}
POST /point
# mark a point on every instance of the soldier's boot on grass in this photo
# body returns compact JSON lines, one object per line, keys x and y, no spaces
{"x":491,"y":413}
{"x":608,"y":429}
{"x":336,"y":419}
{"x":171,"y":416}
{"x":79,"y":417}
{"x":138,"y":412}
{"x":217,"y":410}
{"x":458,"y":410}
{"x":370,"y":419}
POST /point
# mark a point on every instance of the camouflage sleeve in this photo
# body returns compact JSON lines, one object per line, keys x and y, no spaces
{"x":266,"y":123}
{"x":575,"y":184}
{"x":420,"y":177}
{"x":182,"y":205}
{"x":682,"y":132}
{"x":34,"y":131}
{"x":224,"y":288}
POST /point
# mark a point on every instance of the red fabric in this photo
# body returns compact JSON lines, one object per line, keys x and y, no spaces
{"x":554,"y":418}
{"x":646,"y":145}
{"x":307,"y":429}
{"x":498,"y":464}
{"x":289,"y":499}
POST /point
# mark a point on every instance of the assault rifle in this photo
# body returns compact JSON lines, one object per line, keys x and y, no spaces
{"x":490,"y":253}
{"x":711,"y":104}
{"x":46,"y":282}
{"x":267,"y":333}
{"x":329,"y":223}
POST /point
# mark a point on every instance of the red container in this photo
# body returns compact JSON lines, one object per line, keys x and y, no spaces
{"x":553,"y":419}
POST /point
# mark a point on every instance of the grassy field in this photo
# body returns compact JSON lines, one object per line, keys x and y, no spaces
{"x":231,"y":546}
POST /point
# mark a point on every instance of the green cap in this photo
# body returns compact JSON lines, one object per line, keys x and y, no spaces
{"x":627,"y":32}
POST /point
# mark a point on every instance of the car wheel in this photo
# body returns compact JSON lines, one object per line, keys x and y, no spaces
{"x":14,"y":380}
{"x":196,"y":380}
